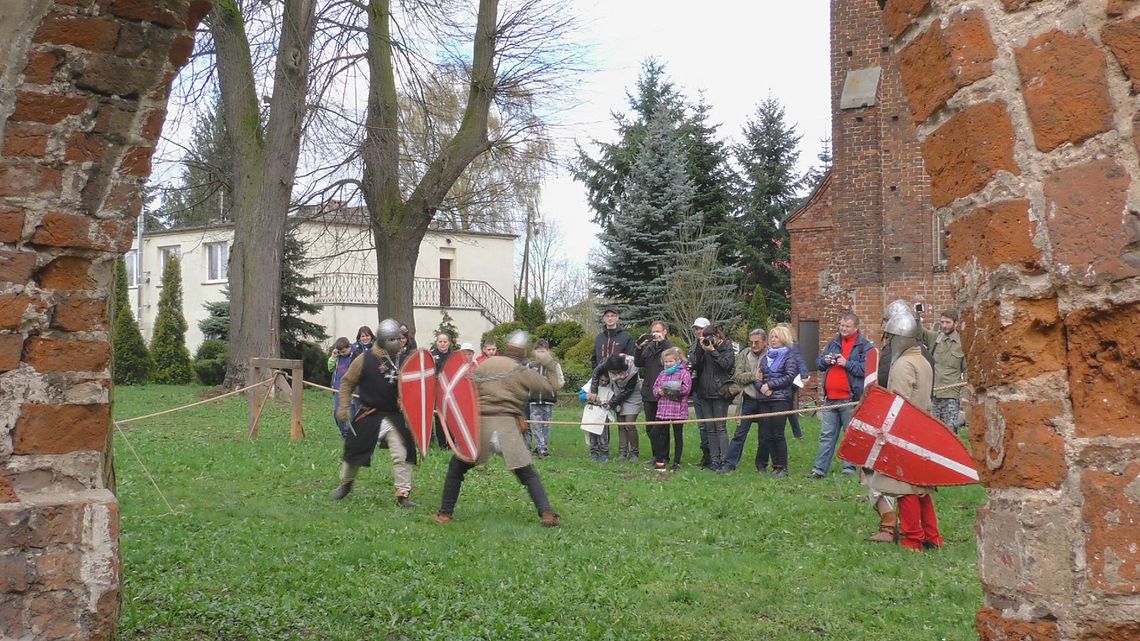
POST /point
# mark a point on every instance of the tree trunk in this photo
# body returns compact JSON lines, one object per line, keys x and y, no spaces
{"x":398,"y":226}
{"x":265,"y":163}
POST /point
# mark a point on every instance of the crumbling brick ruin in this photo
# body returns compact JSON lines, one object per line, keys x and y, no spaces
{"x":83,"y":89}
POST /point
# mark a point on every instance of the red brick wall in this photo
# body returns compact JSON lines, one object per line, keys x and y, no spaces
{"x":1026,"y":115}
{"x":83,"y":89}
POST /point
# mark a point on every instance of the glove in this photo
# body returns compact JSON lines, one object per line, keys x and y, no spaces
{"x":342,"y":415}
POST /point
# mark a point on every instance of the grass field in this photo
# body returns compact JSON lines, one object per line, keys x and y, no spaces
{"x":256,"y":550}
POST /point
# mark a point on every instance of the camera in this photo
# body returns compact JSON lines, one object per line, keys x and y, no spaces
{"x":919,"y":308}
{"x":708,"y":340}
{"x":829,"y":359}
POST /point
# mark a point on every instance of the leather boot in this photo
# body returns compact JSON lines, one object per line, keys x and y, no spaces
{"x":403,"y":501}
{"x":888,"y":532}
{"x":550,"y":519}
{"x":341,"y":491}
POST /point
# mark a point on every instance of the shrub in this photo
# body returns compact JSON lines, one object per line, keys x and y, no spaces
{"x":499,"y":333}
{"x":562,"y":336}
{"x":210,"y":362}
{"x":576,"y":375}
{"x":581,"y":353}
{"x":530,"y":313}
{"x":315,"y":361}
{"x":131,"y":363}
{"x":168,"y":347}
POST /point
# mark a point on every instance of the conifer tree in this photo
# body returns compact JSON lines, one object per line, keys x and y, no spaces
{"x":638,"y":247}
{"x":769,"y":192}
{"x":758,"y":316}
{"x":168,"y":346}
{"x":295,"y":296}
{"x":131,"y":364}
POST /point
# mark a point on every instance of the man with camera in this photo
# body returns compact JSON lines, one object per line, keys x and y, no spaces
{"x":843,"y":366}
{"x":699,"y":326}
{"x":647,"y":356}
{"x":945,"y":345}
{"x":715,"y":362}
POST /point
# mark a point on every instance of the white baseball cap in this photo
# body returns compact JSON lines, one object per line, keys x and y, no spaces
{"x":467,"y":346}
{"x":701,"y":322}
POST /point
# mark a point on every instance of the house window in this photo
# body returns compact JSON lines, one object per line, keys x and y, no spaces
{"x":132,"y":262}
{"x":939,"y":243}
{"x":217,"y":261}
{"x":164,"y":256}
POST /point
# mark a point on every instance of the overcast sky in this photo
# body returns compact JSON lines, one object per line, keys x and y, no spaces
{"x":736,"y":52}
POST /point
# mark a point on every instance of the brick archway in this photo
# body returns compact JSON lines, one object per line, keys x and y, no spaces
{"x":83,"y":90}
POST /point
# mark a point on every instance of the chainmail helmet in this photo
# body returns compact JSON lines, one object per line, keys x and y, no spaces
{"x":388,"y":336}
{"x":900,"y":333}
{"x":517,"y":344}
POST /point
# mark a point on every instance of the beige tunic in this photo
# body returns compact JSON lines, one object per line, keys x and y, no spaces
{"x":504,"y":386}
{"x":911,"y":378}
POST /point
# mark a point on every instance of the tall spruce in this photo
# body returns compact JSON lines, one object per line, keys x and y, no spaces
{"x":168,"y":346}
{"x":203,"y":193}
{"x":769,"y":185}
{"x":638,"y":246}
{"x":131,"y":364}
{"x":295,"y":297}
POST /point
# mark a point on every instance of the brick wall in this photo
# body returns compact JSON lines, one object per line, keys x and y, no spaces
{"x":1026,"y":115}
{"x":83,"y":89}
{"x":868,"y":237}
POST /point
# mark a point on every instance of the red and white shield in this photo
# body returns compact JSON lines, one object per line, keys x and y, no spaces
{"x":890,"y":435}
{"x":417,"y":396}
{"x":459,"y":408}
{"x":871,"y":369}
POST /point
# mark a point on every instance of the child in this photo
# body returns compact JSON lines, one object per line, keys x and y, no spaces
{"x":541,"y":406}
{"x":671,"y":389}
{"x":593,"y":391}
{"x":339,"y":361}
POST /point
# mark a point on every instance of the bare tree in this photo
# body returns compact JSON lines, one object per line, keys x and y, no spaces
{"x":697,"y":284}
{"x":265,"y":154}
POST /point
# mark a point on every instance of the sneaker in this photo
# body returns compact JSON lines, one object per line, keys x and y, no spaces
{"x":622,"y":458}
{"x":633,"y":458}
{"x":593,"y":457}
{"x":763,"y":469}
{"x":441,"y":518}
{"x":660,"y":467}
{"x":815,"y":474}
{"x":604,"y":458}
{"x":848,"y":471}
{"x":404,"y":501}
{"x":779,"y":472}
{"x":724,"y":469}
{"x":550,"y":519}
{"x":675,"y":468}
{"x":341,"y":491}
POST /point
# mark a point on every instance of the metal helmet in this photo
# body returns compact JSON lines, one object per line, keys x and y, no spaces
{"x":517,"y":344}
{"x":896,"y":307}
{"x":388,"y":328}
{"x":902,"y":324}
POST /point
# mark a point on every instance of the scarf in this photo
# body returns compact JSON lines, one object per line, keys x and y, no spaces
{"x":779,"y":354}
{"x":669,"y":371}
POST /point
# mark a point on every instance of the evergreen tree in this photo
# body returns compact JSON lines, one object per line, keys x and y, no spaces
{"x":769,"y":192}
{"x":168,"y":346}
{"x":696,"y":283}
{"x":758,"y":316}
{"x":531,"y":313}
{"x":637,"y":247}
{"x":131,"y":364}
{"x":815,"y":176}
{"x":216,"y":324}
{"x":295,"y":294}
{"x":447,"y":326}
{"x":202,"y":194}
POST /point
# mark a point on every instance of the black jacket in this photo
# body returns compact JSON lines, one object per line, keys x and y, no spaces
{"x":648,"y":358}
{"x":713,"y":368}
{"x":611,"y":341}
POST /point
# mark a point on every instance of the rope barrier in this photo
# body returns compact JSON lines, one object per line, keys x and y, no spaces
{"x":138,"y":459}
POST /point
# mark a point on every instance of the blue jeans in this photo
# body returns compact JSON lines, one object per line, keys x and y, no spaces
{"x":539,"y":433}
{"x":740,"y":438}
{"x":833,"y":422}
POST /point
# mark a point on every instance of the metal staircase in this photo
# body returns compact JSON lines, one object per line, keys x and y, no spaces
{"x":360,"y":289}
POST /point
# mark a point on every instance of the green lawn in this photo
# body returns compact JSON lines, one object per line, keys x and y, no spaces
{"x":256,"y":550}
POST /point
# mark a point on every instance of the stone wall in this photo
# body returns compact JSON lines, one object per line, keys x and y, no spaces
{"x":1026,"y":114}
{"x":83,"y":89}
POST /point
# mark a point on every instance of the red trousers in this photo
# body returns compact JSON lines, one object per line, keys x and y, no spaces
{"x":918,"y":523}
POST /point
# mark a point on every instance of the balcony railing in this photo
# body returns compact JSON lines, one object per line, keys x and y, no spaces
{"x":361,"y":289}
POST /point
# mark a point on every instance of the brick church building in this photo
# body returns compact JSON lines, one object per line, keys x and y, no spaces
{"x":868,"y":234}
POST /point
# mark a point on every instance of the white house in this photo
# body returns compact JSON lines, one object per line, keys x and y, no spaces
{"x":468,"y":275}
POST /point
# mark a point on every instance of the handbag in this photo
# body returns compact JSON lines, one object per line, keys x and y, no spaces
{"x":729,"y":389}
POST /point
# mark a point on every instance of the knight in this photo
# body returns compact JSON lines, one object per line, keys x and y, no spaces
{"x":911,"y":376}
{"x":374,"y":377}
{"x":504,"y":385}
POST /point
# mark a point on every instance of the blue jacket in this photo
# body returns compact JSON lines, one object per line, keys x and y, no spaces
{"x":856,"y":367}
{"x":779,"y":380}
